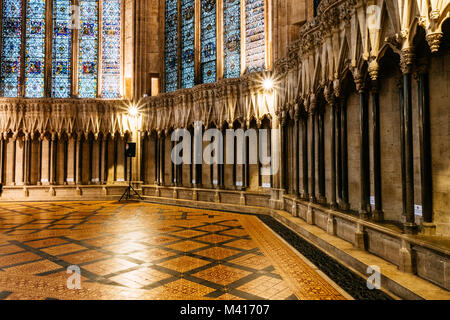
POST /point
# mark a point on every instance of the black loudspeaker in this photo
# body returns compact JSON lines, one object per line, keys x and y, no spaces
{"x":130,"y":149}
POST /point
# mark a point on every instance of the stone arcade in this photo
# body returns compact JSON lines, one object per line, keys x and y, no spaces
{"x":360,"y":103}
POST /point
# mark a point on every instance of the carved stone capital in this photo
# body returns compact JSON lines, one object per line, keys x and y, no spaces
{"x":406,"y":60}
{"x":434,"y":40}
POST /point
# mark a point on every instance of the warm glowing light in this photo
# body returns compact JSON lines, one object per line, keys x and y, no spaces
{"x":133,"y":111}
{"x":268,"y":84}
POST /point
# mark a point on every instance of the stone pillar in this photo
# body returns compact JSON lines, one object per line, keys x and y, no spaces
{"x":52,"y":158}
{"x":425,"y":150}
{"x":78,"y":158}
{"x":143,"y":152}
{"x":401,"y":107}
{"x":2,"y":158}
{"x":26,"y":159}
{"x":39,"y":160}
{"x":407,"y":57}
{"x":331,"y":100}
{"x":338,"y":150}
{"x":197,"y":156}
{"x":321,"y":154}
{"x":364,"y":145}
{"x":104,"y":159}
{"x":295,"y":151}
{"x":305,"y":188}
{"x":312,"y":154}
{"x":283,"y":152}
{"x":14,"y":162}
{"x":344,"y":204}
{"x":156,"y":158}
{"x":65,"y":159}
{"x":162,"y":142}
{"x":378,"y":212}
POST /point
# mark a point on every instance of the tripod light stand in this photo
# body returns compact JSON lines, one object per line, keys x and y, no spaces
{"x":130,"y":152}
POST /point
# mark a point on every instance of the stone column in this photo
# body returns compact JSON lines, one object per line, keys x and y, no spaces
{"x":39,"y":159}
{"x":378,"y":212}
{"x":2,"y":158}
{"x":312,"y":154}
{"x":344,"y":204}
{"x":364,"y":163}
{"x":197,"y":154}
{"x":283,"y":152}
{"x":407,"y":57}
{"x":425,"y":150}
{"x":331,"y":100}
{"x":143,"y":165}
{"x":65,"y":159}
{"x":321,"y":156}
{"x":295,"y":152}
{"x":338,"y":150}
{"x":156,"y":158}
{"x":162,"y":142}
{"x":26,"y":159}
{"x":52,"y":158}
{"x":305,"y":188}
{"x":104,"y":159}
{"x":78,"y":158}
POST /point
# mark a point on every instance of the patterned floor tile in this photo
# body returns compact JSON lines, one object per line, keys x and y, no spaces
{"x":147,"y":251}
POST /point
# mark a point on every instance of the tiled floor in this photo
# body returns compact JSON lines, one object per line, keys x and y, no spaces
{"x":147,"y":251}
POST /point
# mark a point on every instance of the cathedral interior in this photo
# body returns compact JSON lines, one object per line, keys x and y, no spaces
{"x":272,"y":149}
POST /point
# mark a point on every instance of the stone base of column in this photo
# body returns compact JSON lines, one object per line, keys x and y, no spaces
{"x":194,"y":195}
{"x":363,"y":214}
{"x":428,"y":229}
{"x":242,"y":199}
{"x":377,"y":215}
{"x":217,"y":197}
{"x":331,"y":225}
{"x":410,"y":228}
{"x":294,"y":210}
{"x":334,"y":206}
{"x":310,"y":215}
{"x":321,"y":199}
{"x":360,"y":241}
{"x":345,"y":206}
{"x":304,"y":196}
{"x":406,"y":258}
{"x":175,"y":194}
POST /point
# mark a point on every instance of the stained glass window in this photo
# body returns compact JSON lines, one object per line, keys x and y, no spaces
{"x":111,"y":48}
{"x":61,"y":50}
{"x":11,"y":45}
{"x":171,"y":45}
{"x":255,"y":42}
{"x":208,"y":41}
{"x":232,"y":38}
{"x":88,"y":49}
{"x":35,"y":49}
{"x":187,"y":44}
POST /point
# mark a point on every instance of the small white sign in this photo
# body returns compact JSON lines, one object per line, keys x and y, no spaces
{"x":418,"y":209}
{"x":215,"y":182}
{"x":120,"y":179}
{"x":69,"y":179}
{"x":95,"y":180}
{"x":44,"y":180}
{"x":193,"y":181}
{"x":372,"y":200}
{"x":239,"y":183}
{"x":266,"y":185}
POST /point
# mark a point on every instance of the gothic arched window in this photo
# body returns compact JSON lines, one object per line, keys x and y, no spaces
{"x":77,"y":43}
{"x":205,"y":40}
